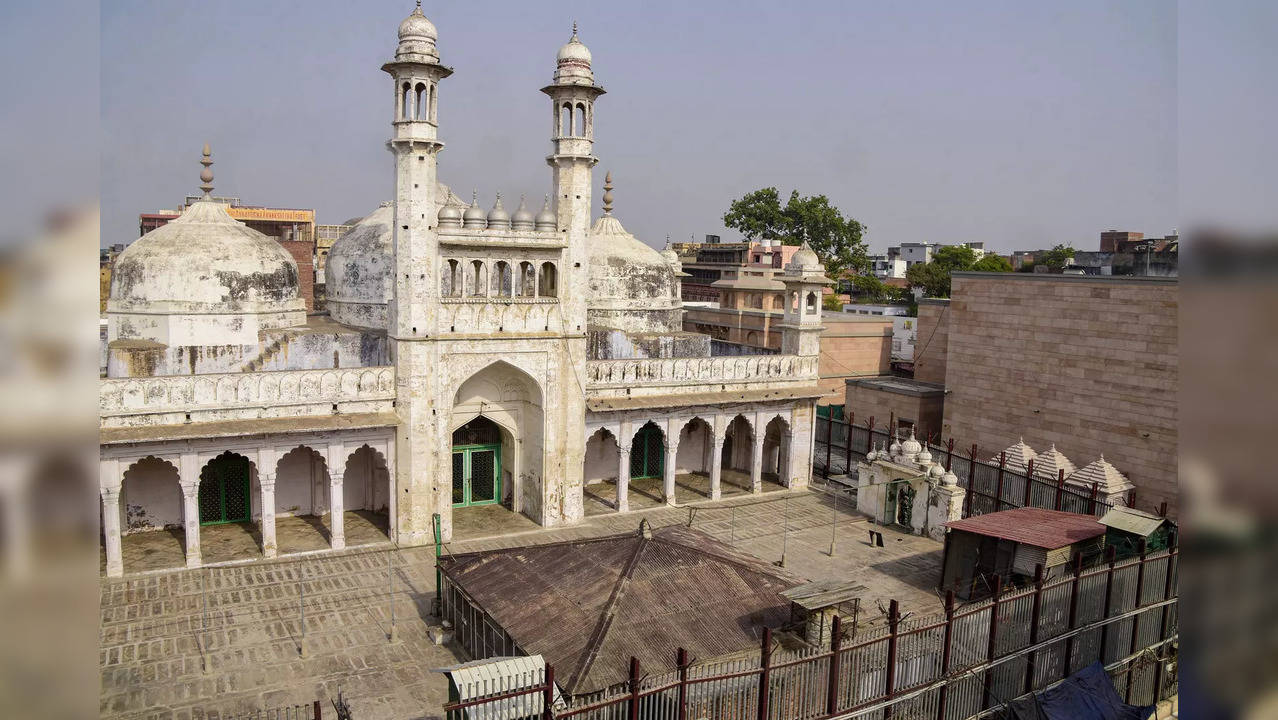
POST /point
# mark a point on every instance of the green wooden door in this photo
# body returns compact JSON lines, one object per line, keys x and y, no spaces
{"x":476,"y":475}
{"x":224,"y":491}
{"x":648,"y":453}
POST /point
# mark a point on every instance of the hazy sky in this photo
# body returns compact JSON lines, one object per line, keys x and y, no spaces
{"x":1018,"y":124}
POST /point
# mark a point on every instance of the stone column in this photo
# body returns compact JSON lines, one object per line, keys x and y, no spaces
{"x":111,"y":530}
{"x":266,"y":482}
{"x":336,"y":459}
{"x":716,"y":468}
{"x":623,"y":477}
{"x":756,"y":462}
{"x":189,"y":477}
{"x":668,"y":474}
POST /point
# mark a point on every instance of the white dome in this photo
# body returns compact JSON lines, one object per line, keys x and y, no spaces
{"x":632,"y":287}
{"x":572,"y":62}
{"x":358,"y":274}
{"x":417,"y":26}
{"x":417,"y":36}
{"x":804,"y":259}
{"x":205,"y":258}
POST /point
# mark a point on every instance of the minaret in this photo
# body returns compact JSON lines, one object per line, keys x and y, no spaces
{"x":573,"y":95}
{"x":804,"y":280}
{"x":419,"y":489}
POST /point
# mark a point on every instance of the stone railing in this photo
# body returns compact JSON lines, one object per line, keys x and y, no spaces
{"x":241,"y":395}
{"x":703,"y":372}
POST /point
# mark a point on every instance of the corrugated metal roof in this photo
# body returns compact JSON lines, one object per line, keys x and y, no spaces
{"x":1049,"y":529}
{"x":588,"y":606}
{"x":823,"y":593}
{"x":1133,"y":521}
{"x":480,"y":678}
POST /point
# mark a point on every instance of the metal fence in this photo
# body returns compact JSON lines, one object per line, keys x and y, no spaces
{"x":991,"y":485}
{"x":312,"y":711}
{"x":948,"y":666}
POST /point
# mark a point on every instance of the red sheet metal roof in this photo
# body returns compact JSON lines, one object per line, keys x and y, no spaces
{"x":1049,"y":529}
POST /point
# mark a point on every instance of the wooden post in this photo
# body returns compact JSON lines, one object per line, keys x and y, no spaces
{"x":548,"y":694}
{"x":1029,"y":483}
{"x":946,"y":645}
{"x":998,"y":490}
{"x":681,"y":660}
{"x":991,"y":647}
{"x":1140,"y":589}
{"x":894,"y":627}
{"x":832,"y":691}
{"x":949,"y":454}
{"x":1035,"y":614}
{"x":1073,"y":612}
{"x":634,"y":688}
{"x":1060,"y":486}
{"x":765,"y":662}
{"x":1110,"y":557}
{"x":1091,"y":502}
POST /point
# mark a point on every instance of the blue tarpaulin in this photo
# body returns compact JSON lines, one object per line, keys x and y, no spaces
{"x":1086,"y":695}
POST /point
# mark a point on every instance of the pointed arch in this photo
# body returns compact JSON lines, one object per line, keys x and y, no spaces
{"x":696,"y":442}
{"x":511,"y":398}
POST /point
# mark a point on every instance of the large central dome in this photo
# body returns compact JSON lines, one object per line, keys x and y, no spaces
{"x":632,"y":286}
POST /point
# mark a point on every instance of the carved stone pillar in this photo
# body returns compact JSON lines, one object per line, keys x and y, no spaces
{"x":716,"y":468}
{"x":336,"y":477}
{"x":111,"y":530}
{"x":191,"y":523}
{"x":756,"y":462}
{"x":623,"y":477}
{"x":266,"y":482}
{"x":668,"y":472}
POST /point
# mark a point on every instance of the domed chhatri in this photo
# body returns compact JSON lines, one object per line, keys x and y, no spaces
{"x":546,"y":220}
{"x":572,"y":62}
{"x":632,"y":287}
{"x":203,"y":278}
{"x":474,"y":217}
{"x":417,"y":37}
{"x":450,"y":216}
{"x":804,"y":259}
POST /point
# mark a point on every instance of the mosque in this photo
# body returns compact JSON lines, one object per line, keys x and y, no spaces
{"x":469,"y":361}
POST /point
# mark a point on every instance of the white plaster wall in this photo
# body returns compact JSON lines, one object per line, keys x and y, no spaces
{"x":297,"y":476}
{"x":694,"y":441}
{"x":601,"y":458}
{"x":366,"y":483}
{"x":151,"y":497}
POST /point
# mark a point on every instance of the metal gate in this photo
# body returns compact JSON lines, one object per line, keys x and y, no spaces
{"x":224,"y":491}
{"x":648,"y":453}
{"x":476,"y":475}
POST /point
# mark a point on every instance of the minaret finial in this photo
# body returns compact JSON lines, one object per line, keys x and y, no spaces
{"x":474,"y":197}
{"x":607,"y":196}
{"x":206,"y":175}
{"x":574,"y":29}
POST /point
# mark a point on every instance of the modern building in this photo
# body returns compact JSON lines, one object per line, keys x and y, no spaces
{"x":524,"y":356}
{"x":708,"y":263}
{"x":900,"y":258}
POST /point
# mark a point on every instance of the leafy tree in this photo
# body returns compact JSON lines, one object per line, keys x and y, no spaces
{"x":992,"y":263}
{"x":954,"y":257}
{"x":835,"y":239}
{"x":933,"y":279}
{"x":869,"y":287}
{"x":832,"y":302}
{"x":1056,"y":258}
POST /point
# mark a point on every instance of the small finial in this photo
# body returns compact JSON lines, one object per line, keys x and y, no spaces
{"x":474,"y":198}
{"x":546,"y":205}
{"x":574,"y":29}
{"x":607,"y":196}
{"x":206,"y":175}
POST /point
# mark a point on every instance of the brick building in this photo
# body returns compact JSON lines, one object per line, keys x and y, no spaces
{"x":1087,"y":363}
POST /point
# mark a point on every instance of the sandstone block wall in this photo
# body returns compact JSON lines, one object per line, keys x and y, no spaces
{"x":932,"y":344}
{"x":1088,"y":363}
{"x":866,"y":401}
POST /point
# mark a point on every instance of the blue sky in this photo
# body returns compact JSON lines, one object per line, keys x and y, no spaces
{"x":1018,"y":124}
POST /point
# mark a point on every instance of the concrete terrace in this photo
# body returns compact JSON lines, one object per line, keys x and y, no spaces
{"x":186,"y":643}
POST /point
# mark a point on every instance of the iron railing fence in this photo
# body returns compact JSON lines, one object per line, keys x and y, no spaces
{"x":312,"y":711}
{"x":991,"y":485}
{"x":948,"y":666}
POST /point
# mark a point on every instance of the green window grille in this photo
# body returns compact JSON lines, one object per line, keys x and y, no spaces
{"x":224,"y":491}
{"x":476,"y":475}
{"x":648,"y":453}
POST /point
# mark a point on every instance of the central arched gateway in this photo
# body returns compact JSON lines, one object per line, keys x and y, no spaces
{"x":497,"y":441}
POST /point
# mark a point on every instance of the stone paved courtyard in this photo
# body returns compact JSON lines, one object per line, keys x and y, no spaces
{"x":191,"y":643}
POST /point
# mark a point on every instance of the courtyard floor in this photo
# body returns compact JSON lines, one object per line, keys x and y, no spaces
{"x":645,"y":493}
{"x":220,"y":640}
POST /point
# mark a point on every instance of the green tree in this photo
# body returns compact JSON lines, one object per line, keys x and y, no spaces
{"x":832,"y":302}
{"x":992,"y":263}
{"x":954,"y":257}
{"x":835,"y":239}
{"x":1056,"y":258}
{"x":870,"y":287}
{"x":933,"y":279}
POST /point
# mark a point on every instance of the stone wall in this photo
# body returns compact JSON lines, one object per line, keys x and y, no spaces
{"x":853,"y":346}
{"x":931,"y":347}
{"x":897,"y":398}
{"x":303,"y":253}
{"x":1088,"y":363}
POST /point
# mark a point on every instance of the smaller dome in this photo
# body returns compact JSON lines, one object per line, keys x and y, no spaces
{"x":498,"y":218}
{"x":450,"y":216}
{"x":417,"y":26}
{"x":546,"y":220}
{"x":474,"y":217}
{"x":572,"y":62}
{"x":895,"y":448}
{"x":936,"y":471}
{"x":911,"y":447}
{"x":523,"y":218}
{"x":925,"y":456}
{"x":805,"y":258}
{"x":949,"y":479}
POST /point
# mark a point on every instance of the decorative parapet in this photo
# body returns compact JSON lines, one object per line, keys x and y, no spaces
{"x":127,"y":402}
{"x":701,"y":374}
